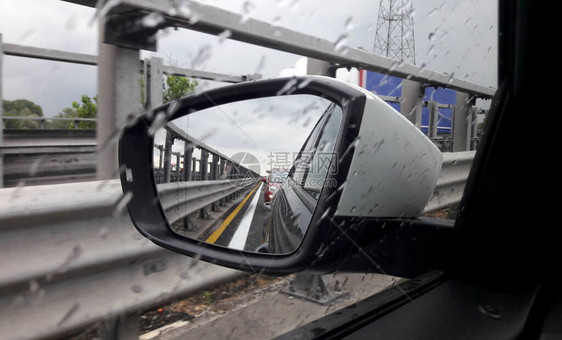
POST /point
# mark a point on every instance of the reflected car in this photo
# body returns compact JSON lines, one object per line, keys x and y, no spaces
{"x":297,"y":190}
{"x":273,"y":183}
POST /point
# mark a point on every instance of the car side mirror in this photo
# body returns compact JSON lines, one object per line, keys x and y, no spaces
{"x":357,"y":164}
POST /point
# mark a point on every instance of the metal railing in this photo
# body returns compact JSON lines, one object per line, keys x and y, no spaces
{"x":71,"y":258}
{"x":93,"y":60}
{"x":451,"y":181}
{"x":35,"y":157}
{"x":149,"y":68}
{"x":181,"y":199}
{"x":42,"y":121}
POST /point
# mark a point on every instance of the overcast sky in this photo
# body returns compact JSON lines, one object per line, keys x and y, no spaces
{"x":452,"y":37}
{"x":272,"y":129}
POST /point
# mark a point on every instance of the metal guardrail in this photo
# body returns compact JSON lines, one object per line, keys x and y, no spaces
{"x":180,"y":199}
{"x":285,"y":40}
{"x":452,"y":179}
{"x":214,"y":20}
{"x":43,"y":120}
{"x":149,"y":67}
{"x":35,"y":157}
{"x":48,"y":164}
{"x":38,"y":157}
{"x":71,"y":256}
{"x":88,"y":59}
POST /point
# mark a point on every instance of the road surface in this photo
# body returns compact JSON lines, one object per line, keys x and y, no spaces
{"x":241,"y":226}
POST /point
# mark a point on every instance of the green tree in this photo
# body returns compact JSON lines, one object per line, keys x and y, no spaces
{"x":21,"y":108}
{"x":176,"y":87}
{"x":63,"y":124}
{"x":86,"y":108}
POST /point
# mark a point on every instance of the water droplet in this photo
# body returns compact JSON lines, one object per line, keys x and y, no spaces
{"x":173,"y":107}
{"x":136,"y":288}
{"x":224,"y":35}
{"x":349,"y":23}
{"x":102,"y":233}
{"x":122,"y":204}
{"x":204,"y":53}
{"x":194,"y":261}
{"x":304,"y":83}
{"x":325,"y":214}
{"x":288,"y":88}
{"x":261,"y":64}
{"x":247,"y":9}
{"x":340,"y":42}
{"x":433,"y":11}
{"x":181,"y":7}
{"x":431,"y":36}
{"x":34,"y":168}
{"x":152,"y":20}
{"x":70,"y":23}
{"x":430,"y":50}
{"x":294,"y":5}
{"x":69,"y":313}
{"x":106,"y":6}
{"x":74,"y":254}
{"x":33,"y":286}
{"x":194,"y":18}
{"x":159,"y":121}
{"x":395,"y":65}
{"x":451,"y":77}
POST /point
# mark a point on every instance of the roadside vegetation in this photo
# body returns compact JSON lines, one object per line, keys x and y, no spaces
{"x":33,"y":118}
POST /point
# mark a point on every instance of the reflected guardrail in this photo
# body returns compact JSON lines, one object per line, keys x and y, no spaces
{"x":181,"y":199}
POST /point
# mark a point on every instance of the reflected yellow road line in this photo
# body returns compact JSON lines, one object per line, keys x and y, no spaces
{"x":215,"y":236}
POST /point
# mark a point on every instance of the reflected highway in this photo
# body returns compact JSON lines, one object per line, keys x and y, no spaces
{"x":241,"y":227}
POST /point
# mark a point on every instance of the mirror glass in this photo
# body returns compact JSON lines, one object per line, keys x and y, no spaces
{"x":246,"y":175}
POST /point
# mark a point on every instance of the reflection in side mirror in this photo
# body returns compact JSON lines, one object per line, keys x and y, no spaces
{"x":267,"y":206}
{"x":210,"y":169}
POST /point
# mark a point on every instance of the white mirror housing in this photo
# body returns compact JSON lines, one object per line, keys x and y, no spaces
{"x":394,"y":167}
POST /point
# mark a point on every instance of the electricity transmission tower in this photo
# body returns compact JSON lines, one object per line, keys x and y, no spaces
{"x":394,"y":37}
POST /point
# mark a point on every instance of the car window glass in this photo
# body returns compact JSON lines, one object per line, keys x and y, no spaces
{"x":300,"y":165}
{"x":323,"y":154}
{"x":60,"y":200}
